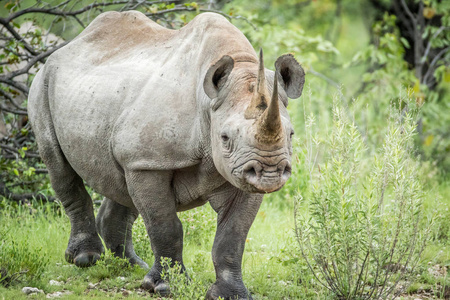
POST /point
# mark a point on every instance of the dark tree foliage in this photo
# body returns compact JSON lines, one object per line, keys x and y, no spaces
{"x":414,"y":18}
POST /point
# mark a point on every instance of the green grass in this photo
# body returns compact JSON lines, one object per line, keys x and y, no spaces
{"x":272,"y":266}
{"x":269,"y":269}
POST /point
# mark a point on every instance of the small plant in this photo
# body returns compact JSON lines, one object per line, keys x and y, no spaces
{"x":181,"y":286}
{"x":110,"y":266}
{"x":361,"y":230}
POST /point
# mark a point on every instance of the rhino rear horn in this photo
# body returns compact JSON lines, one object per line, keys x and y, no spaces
{"x":217,"y":75}
{"x":259,"y":102}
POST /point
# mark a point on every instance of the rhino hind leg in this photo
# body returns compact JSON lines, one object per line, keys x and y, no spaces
{"x":84,"y":247}
{"x":114,"y":224}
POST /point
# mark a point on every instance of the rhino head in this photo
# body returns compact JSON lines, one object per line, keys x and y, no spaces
{"x":251,"y":133}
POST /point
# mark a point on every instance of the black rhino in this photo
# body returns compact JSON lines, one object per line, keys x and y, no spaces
{"x":160,"y":121}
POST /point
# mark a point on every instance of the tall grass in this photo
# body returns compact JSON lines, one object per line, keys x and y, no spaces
{"x":360,"y":226}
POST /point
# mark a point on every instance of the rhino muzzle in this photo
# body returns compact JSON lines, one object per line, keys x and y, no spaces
{"x":264,"y":178}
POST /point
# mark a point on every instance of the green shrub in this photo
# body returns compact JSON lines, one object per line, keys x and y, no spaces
{"x":110,"y":266}
{"x":359,"y":228}
{"x":181,"y":286}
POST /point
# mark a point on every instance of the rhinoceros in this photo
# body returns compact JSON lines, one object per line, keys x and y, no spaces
{"x":160,"y":121}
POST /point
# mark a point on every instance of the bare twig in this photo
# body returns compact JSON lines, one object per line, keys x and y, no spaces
{"x":9,"y":98}
{"x":18,"y":85}
{"x":433,"y":63}
{"x":408,"y":11}
{"x":32,"y":62}
{"x":17,"y":36}
{"x":14,"y":150}
{"x":191,"y":9}
{"x":16,"y":112}
{"x":427,"y":50}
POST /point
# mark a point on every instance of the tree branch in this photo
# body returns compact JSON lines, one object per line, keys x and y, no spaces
{"x":16,"y":112}
{"x":408,"y":12}
{"x":32,"y":62}
{"x":408,"y":24}
{"x":57,"y":12}
{"x":9,"y":98}
{"x":18,"y":37}
{"x":190,"y":9}
{"x":18,"y":85}
{"x":14,"y":150}
{"x":433,"y":63}
{"x":428,"y":48}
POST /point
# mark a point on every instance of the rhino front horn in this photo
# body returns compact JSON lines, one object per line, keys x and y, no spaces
{"x":259,"y":101}
{"x":269,"y":125}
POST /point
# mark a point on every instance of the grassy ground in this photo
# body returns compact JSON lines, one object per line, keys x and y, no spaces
{"x":34,"y":238}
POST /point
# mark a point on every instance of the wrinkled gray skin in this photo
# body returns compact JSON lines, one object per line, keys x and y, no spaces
{"x":153,"y":119}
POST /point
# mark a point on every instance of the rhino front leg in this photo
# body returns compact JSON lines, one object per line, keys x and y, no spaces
{"x":236,"y":211}
{"x":154,"y":199}
{"x":114,"y":224}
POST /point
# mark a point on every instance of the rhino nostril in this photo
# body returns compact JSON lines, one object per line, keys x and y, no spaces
{"x":284,"y":169}
{"x":287,"y":171}
{"x":250,"y":172}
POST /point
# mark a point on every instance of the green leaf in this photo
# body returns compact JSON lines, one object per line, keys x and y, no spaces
{"x":9,"y":5}
{"x":405,"y":42}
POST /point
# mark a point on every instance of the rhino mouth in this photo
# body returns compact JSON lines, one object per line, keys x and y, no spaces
{"x":258,"y":177}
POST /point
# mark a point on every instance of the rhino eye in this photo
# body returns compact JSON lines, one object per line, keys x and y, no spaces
{"x":292,"y":134}
{"x":224,"y":137}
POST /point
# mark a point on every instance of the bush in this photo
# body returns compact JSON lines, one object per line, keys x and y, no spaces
{"x":110,"y":266}
{"x":181,"y":286}
{"x":361,"y":230}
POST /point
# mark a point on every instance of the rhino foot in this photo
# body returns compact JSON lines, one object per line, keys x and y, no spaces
{"x":228,"y":292}
{"x":83,"y":260}
{"x":136,"y":260}
{"x":158,"y":286}
{"x":84,"y":252}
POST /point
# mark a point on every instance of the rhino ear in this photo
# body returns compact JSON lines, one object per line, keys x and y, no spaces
{"x":217,"y":75}
{"x":290,"y":75}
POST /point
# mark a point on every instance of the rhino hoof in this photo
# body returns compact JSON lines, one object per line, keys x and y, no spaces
{"x":160,"y":287}
{"x":86,"y":259}
{"x":216,"y":291}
